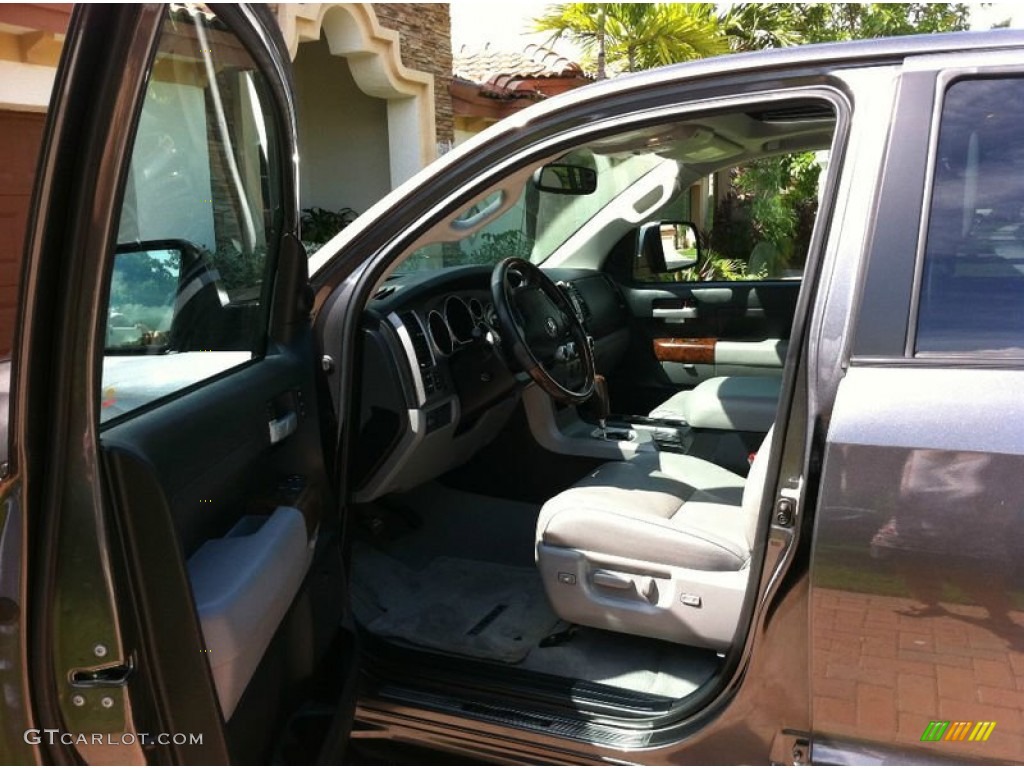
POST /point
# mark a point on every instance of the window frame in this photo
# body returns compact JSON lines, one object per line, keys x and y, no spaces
{"x":282,"y":185}
{"x":944,"y":81}
{"x":884,"y":315}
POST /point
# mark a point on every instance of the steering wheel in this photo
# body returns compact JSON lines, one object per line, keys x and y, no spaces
{"x":539,"y":327}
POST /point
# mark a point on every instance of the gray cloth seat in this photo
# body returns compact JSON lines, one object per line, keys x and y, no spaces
{"x":657,"y":546}
{"x":745,"y":403}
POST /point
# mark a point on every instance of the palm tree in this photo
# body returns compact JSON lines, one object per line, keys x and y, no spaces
{"x":753,"y":26}
{"x":638,"y":35}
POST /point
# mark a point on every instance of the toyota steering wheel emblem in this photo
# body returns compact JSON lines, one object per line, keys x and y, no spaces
{"x":551,"y":327}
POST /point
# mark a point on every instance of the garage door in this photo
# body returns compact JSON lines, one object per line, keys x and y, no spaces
{"x":20,"y":134}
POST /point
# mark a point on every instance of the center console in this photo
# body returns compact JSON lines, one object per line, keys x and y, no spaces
{"x":724,"y":421}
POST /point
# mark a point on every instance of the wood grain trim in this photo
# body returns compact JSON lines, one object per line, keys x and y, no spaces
{"x":694,"y":351}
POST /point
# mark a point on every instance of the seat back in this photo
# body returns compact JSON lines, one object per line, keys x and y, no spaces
{"x":753,"y":489}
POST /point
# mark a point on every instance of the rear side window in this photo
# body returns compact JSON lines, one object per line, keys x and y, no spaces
{"x":972,"y":285}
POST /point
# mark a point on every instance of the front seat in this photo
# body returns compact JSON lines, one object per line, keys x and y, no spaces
{"x":657,"y":546}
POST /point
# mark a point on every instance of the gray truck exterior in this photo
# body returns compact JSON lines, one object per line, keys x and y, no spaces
{"x":890,"y":592}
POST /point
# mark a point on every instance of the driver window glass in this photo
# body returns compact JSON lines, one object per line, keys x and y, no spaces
{"x":762,"y":215}
{"x":202,"y":201}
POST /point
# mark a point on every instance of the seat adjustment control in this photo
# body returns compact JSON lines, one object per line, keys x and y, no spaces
{"x":692,"y":601}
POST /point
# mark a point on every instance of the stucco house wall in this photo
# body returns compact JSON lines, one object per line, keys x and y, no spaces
{"x":372,"y":93}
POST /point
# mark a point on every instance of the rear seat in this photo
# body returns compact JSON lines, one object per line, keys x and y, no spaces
{"x":741,"y":403}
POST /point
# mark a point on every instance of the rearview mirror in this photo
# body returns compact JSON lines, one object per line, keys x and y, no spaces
{"x":563,"y":179}
{"x":669,"y":246}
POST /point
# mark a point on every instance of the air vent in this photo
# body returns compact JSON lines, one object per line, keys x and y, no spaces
{"x":577,"y":299}
{"x":384,"y":292}
{"x":419,"y":339}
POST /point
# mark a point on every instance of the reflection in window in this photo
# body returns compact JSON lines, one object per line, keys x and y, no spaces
{"x":973,"y":279}
{"x":196,"y":228}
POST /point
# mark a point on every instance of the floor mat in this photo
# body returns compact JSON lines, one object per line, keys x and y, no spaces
{"x":624,"y":661}
{"x":465,"y":525}
{"x":468,"y":607}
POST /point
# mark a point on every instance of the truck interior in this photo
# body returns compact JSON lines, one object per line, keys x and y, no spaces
{"x":573,"y":513}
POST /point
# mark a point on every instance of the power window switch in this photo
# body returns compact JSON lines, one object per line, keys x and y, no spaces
{"x":691,"y":601}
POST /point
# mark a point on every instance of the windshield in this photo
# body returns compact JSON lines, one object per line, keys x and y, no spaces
{"x":535,"y":224}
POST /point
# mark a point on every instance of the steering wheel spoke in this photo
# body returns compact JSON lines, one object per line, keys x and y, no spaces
{"x":542,"y":331}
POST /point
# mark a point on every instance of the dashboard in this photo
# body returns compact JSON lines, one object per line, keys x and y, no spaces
{"x":435,"y":386}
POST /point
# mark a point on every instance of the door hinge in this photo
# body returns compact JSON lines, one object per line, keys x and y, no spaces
{"x":790,"y":748}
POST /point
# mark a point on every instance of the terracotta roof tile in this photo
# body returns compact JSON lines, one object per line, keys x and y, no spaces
{"x":487,"y":65}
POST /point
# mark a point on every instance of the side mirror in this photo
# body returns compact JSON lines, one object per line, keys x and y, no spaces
{"x":143,"y":292}
{"x":563,"y":179}
{"x":669,"y":246}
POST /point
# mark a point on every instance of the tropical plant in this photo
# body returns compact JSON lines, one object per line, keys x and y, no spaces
{"x":756,"y":26}
{"x":241,"y":273}
{"x":826,"y":22}
{"x":635,"y":36}
{"x":320,"y":224}
{"x":713,"y":266}
{"x":767,"y":185}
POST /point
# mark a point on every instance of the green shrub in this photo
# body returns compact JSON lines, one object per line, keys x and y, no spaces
{"x":320,"y":224}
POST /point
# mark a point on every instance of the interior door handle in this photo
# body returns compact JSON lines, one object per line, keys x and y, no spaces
{"x":675,"y":313}
{"x":283,"y":426}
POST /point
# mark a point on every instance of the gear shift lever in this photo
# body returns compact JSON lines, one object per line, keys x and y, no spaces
{"x":601,"y":403}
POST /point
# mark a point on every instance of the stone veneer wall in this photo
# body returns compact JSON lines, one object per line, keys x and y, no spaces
{"x":426,"y":45}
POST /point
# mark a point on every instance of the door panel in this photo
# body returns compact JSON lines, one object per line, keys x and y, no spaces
{"x":206,"y":404}
{"x":686,"y":333}
{"x":916,"y":612}
{"x":917,"y":626}
{"x":172,"y":548}
{"x":244,"y":510}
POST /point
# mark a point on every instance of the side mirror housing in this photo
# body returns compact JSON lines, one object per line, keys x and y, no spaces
{"x":669,"y":246}
{"x":144,"y":290}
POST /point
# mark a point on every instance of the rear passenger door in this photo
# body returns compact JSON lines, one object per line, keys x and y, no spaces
{"x":916,"y":584}
{"x":168,"y":370}
{"x":687,"y":332}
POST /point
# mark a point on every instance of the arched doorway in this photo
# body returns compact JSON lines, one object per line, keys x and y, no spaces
{"x":366,"y":121}
{"x":344,"y":157}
